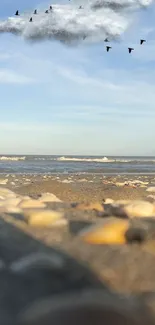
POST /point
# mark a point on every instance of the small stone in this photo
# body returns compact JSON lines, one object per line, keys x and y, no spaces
{"x":3,"y":181}
{"x":151,"y":197}
{"x":29,"y":203}
{"x":151,"y":189}
{"x":135,"y":235}
{"x":119,"y":184}
{"x":139,"y":209}
{"x":49,"y":197}
{"x":43,"y":218}
{"x":67,"y":181}
{"x":108,"y":201}
{"x":112,"y":232}
{"x":113,"y":209}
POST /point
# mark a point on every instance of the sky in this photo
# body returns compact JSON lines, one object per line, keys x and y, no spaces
{"x":77,"y":99}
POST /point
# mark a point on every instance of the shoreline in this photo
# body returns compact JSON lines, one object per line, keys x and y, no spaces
{"x":81,"y":173}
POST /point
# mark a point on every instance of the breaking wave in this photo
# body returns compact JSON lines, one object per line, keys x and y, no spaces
{"x":82,"y":159}
{"x":12,"y":158}
{"x":100,"y":160}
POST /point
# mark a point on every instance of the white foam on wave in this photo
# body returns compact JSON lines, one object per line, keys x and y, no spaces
{"x":104,"y":159}
{"x":12,"y":158}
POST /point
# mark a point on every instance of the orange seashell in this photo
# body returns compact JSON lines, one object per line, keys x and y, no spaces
{"x":110,"y":233}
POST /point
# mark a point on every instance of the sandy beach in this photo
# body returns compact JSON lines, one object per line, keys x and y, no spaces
{"x":126,"y":268}
{"x":76,"y":188}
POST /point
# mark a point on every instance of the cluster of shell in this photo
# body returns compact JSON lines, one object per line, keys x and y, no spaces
{"x":116,"y":222}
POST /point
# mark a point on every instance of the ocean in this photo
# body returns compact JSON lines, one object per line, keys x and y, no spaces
{"x":28,"y":164}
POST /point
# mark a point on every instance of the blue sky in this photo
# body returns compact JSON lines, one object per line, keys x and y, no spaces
{"x":57,"y":99}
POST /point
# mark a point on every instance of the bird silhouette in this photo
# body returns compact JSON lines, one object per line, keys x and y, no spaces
{"x":142,"y":41}
{"x":106,"y":40}
{"x":108,"y":48}
{"x":30,"y":20}
{"x":35,"y":12}
{"x":130,"y":49}
{"x":46,"y":12}
{"x":17,"y":13}
{"x":80,"y":7}
{"x":51,"y":8}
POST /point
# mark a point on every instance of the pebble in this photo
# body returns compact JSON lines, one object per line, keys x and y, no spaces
{"x":119,"y":184}
{"x":29,"y":203}
{"x":44,"y":218}
{"x":140,"y":209}
{"x":66,"y":181}
{"x":10,"y":205}
{"x":49,"y":197}
{"x":151,"y":189}
{"x":150,"y":196}
{"x":108,"y":201}
{"x":3,"y":181}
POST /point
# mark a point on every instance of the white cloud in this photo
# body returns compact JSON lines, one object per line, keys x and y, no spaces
{"x":4,"y":56}
{"x":80,"y":77}
{"x":115,"y":86}
{"x":11,"y":77}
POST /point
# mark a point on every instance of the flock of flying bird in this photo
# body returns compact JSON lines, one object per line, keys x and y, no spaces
{"x":130,"y":49}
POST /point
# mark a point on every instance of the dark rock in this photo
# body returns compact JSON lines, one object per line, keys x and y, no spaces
{"x":137,"y":235}
{"x":110,"y":210}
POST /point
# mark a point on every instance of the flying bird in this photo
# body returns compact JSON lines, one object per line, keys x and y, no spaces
{"x":30,"y":20}
{"x":106,"y":40}
{"x":108,"y":48}
{"x":46,"y":12}
{"x":80,"y":7}
{"x":142,"y":41}
{"x":130,"y":49}
{"x":51,"y":8}
{"x":35,"y":12}
{"x":17,"y":13}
